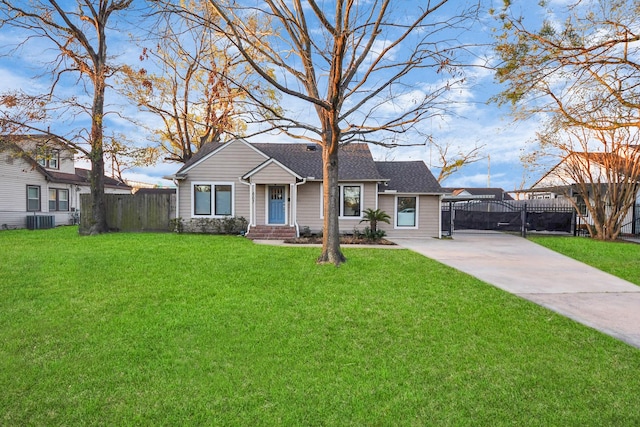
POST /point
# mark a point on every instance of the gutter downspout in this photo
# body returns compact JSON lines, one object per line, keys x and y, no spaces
{"x":295,"y":223}
{"x":251,"y":207}
{"x":175,"y":182}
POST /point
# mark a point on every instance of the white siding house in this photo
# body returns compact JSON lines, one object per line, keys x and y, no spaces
{"x":38,"y":179}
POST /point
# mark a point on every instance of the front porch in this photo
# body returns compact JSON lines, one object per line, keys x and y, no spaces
{"x":273,"y":202}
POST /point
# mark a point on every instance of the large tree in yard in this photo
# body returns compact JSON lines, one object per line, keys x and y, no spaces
{"x":579,"y":68}
{"x":349,"y":71}
{"x":71,"y":38}
{"x":195,"y":82}
{"x":599,"y":173}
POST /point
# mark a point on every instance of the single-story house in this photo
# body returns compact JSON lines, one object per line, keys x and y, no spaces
{"x":277,"y":188}
{"x":40,"y":186}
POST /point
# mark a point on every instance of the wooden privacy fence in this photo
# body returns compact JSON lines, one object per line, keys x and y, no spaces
{"x":132,"y":212}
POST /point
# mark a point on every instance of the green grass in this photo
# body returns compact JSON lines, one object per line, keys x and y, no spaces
{"x":166,"y":329}
{"x":622,"y":259}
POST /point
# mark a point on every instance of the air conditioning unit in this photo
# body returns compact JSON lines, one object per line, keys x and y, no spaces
{"x":39,"y":222}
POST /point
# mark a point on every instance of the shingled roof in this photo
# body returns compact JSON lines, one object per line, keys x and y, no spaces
{"x":408,"y":177}
{"x":356,"y":163}
{"x":355,"y":160}
{"x":81,"y":177}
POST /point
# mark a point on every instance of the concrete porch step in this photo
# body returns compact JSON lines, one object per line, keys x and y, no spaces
{"x":271,"y":232}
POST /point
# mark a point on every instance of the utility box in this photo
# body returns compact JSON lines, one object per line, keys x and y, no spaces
{"x":39,"y":222}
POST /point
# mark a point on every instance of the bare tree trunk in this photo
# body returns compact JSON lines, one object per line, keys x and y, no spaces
{"x":98,"y":207}
{"x":331,"y":252}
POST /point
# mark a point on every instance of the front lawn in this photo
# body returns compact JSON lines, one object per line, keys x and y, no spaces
{"x":619,"y":258}
{"x":167,"y":329}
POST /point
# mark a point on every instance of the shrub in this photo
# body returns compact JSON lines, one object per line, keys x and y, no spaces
{"x":227,"y":225}
{"x":374,"y":234}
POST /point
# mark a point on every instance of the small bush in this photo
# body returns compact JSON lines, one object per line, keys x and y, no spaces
{"x":305,"y":231}
{"x":374,"y":234}
{"x":176,"y":225}
{"x":227,"y":225}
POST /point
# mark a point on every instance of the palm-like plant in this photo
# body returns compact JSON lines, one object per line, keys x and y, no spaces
{"x":373,"y":216}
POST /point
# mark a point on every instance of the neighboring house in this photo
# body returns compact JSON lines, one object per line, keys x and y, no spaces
{"x":277,"y":188}
{"x":560,"y":181}
{"x":480,"y":193}
{"x":39,"y":183}
{"x":594,"y":168}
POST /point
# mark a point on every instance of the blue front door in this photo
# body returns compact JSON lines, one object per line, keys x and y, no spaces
{"x":276,"y":204}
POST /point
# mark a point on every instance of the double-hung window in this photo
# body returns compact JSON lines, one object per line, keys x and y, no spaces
{"x":33,"y":198}
{"x":350,"y":200}
{"x":212,"y":199}
{"x":58,"y":199}
{"x":48,"y":157}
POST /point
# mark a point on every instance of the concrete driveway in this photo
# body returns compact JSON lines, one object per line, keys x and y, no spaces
{"x":516,"y":265}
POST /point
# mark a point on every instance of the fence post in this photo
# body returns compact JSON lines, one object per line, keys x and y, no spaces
{"x":450,"y":219}
{"x":523,"y":218}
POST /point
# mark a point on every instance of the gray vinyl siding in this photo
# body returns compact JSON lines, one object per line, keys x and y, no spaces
{"x":309,"y":207}
{"x":428,"y":216}
{"x":261,"y":204}
{"x":309,"y":195}
{"x":227,"y":165}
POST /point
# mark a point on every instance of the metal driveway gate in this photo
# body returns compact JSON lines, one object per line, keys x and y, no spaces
{"x":514,"y":216}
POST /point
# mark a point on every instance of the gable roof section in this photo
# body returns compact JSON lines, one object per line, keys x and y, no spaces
{"x":494,"y":193}
{"x":267,"y":163}
{"x":80,"y":177}
{"x":356,"y":162}
{"x":30,"y":141}
{"x":210,"y":149}
{"x":408,"y":177}
{"x":599,"y":159}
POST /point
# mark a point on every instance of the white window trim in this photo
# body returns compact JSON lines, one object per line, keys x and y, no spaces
{"x":213,"y":199}
{"x":341,"y":201}
{"x":395,"y":216}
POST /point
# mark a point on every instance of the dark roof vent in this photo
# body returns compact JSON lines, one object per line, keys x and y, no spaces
{"x":312,"y":147}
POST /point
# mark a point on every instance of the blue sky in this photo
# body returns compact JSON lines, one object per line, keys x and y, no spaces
{"x":475,"y":122}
